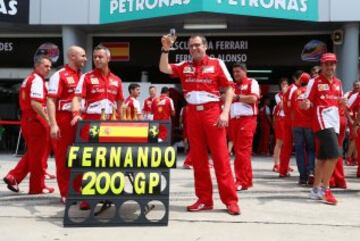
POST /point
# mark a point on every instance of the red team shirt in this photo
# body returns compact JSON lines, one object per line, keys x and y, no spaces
{"x":147,"y":105}
{"x":353,"y":102}
{"x":62,"y":86}
{"x":246,"y":87}
{"x":300,"y":117}
{"x":279,"y":110}
{"x":162,"y":107}
{"x":100,"y":92}
{"x":201,"y":81}
{"x":134,"y":106}
{"x":325,"y":97}
{"x":32,"y":88}
{"x":287,"y":99}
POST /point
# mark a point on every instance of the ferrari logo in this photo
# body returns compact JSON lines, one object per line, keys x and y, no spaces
{"x":154,"y":131}
{"x":94,"y":131}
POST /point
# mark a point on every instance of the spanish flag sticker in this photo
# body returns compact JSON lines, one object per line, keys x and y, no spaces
{"x":120,"y":51}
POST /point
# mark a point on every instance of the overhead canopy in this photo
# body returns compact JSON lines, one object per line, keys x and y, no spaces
{"x":112,"y":11}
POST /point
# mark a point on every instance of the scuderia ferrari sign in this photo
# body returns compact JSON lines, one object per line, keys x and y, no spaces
{"x":127,"y":10}
{"x":14,"y":11}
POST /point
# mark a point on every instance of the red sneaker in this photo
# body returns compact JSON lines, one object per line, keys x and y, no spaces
{"x":48,"y":190}
{"x":233,"y":209}
{"x":275,"y":168}
{"x":63,"y":200}
{"x":45,"y":190}
{"x":284,"y":175}
{"x":11,"y":182}
{"x":49,"y":176}
{"x":199,"y":206}
{"x":84,"y":205}
{"x":187,"y":166}
{"x":329,"y":198}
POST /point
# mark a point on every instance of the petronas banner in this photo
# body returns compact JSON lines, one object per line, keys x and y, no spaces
{"x":129,"y":10}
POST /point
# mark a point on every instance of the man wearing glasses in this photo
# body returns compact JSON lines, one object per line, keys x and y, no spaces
{"x":201,"y":79}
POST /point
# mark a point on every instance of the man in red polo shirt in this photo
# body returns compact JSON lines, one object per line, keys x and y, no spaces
{"x":163,"y":108}
{"x":148,"y":115}
{"x":287,"y":146}
{"x":351,"y":96}
{"x":243,"y":113}
{"x":201,"y":78}
{"x":278,"y":119}
{"x":102,"y":92}
{"x":62,"y":86}
{"x":302,"y":131}
{"x":35,"y":129}
{"x":99,"y":88}
{"x":132,"y":103}
{"x":354,"y":106}
{"x":324,"y":94}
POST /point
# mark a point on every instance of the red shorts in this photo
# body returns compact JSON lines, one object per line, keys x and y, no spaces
{"x":279,"y":128}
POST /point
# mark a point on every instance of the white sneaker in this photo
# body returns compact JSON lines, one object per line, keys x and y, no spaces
{"x":316,"y":194}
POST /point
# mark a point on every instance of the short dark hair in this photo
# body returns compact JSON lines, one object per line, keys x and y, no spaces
{"x":241,"y":66}
{"x":132,"y":87}
{"x":152,"y":87}
{"x":164,"y":90}
{"x":39,"y":59}
{"x":283,"y":79}
{"x":297,"y":74}
{"x":202,"y":37}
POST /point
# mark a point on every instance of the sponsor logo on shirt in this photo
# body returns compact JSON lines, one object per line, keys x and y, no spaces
{"x":323,"y":87}
{"x":70,"y":80}
{"x":94,"y":81}
{"x":195,"y":80}
{"x":114,"y":83}
{"x":189,"y":70}
{"x":208,"y":70}
{"x":244,"y":87}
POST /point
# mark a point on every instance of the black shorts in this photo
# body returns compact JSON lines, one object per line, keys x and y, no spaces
{"x":328,"y":147}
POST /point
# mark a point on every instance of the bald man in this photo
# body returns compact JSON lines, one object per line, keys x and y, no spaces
{"x":62,"y":86}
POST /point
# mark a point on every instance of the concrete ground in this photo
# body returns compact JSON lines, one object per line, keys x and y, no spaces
{"x":274,"y":209}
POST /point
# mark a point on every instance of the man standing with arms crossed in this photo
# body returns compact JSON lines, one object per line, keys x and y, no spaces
{"x":324,"y":93}
{"x":34,"y":125}
{"x":102,"y":92}
{"x":201,"y":79}
{"x":62,"y":86}
{"x":243,"y":112}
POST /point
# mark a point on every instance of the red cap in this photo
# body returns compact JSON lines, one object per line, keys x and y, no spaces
{"x":328,"y":57}
{"x":304,"y":78}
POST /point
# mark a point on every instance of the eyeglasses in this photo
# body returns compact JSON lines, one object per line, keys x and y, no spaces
{"x":194,"y":45}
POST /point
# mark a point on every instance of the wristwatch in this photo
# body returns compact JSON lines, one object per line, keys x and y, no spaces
{"x":164,"y":50}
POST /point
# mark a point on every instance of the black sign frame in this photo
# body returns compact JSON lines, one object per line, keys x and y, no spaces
{"x":15,"y":11}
